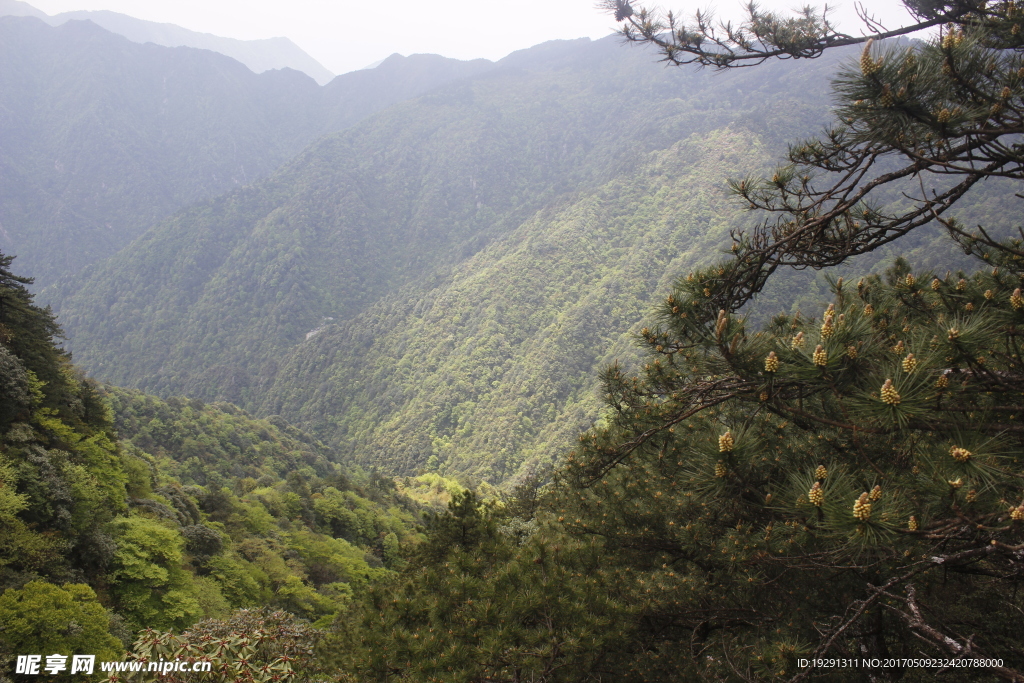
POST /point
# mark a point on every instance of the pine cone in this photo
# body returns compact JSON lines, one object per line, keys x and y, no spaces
{"x":960,"y":454}
{"x":827,"y":329}
{"x":820,"y":357}
{"x":862,"y":508}
{"x":889,"y":394}
{"x":868,"y":65}
{"x":816,"y":495}
{"x":726,"y":442}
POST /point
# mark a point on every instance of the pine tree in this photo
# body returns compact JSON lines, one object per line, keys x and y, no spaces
{"x":931,"y":120}
{"x":826,"y":486}
{"x":488,"y":597}
{"x":846,"y":484}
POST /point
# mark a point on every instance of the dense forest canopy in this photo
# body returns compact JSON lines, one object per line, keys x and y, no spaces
{"x":440,"y":286}
{"x":841,"y":482}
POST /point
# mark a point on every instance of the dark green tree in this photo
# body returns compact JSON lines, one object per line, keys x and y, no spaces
{"x":930,"y":120}
{"x":846,"y":484}
{"x":488,"y":597}
{"x":28,"y":331}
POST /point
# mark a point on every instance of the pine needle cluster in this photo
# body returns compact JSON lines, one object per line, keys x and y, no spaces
{"x":844,"y":482}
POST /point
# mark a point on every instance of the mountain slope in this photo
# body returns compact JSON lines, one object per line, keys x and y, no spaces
{"x":212,"y":302}
{"x":494,"y":370}
{"x":103,"y":137}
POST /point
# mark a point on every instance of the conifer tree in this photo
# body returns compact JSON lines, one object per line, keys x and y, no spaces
{"x":843,"y":485}
{"x":931,"y":120}
{"x":846,"y":484}
{"x":488,"y":598}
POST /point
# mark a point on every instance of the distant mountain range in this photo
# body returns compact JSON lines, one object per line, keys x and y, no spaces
{"x":258,"y":55}
{"x":100,"y":137}
{"x":438,"y":286}
{"x":426,"y":264}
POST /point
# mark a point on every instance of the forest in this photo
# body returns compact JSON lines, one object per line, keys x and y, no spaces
{"x":718,"y":379}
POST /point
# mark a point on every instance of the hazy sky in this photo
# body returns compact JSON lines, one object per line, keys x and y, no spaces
{"x":345,"y":35}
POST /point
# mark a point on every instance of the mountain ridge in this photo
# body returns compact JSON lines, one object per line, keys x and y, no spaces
{"x":259,"y":55}
{"x":103,"y":136}
{"x":393,"y":206}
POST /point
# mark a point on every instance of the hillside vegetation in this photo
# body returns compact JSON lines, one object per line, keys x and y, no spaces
{"x":436,"y":288}
{"x":494,"y":385}
{"x":141,"y":512}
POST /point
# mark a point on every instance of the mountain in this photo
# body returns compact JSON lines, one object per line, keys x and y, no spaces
{"x":102,"y":137}
{"x":258,"y":55}
{"x":169,"y":511}
{"x":329,"y":291}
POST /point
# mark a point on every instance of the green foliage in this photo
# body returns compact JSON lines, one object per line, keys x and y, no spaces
{"x":262,"y":511}
{"x":150,"y":585}
{"x":559,"y":200}
{"x":478,"y":603}
{"x":59,"y":461}
{"x":880,"y":438}
{"x":41,"y":618}
{"x":199,"y":510}
{"x":731,"y":516}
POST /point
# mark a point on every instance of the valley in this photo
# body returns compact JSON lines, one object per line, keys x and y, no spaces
{"x":581,"y":364}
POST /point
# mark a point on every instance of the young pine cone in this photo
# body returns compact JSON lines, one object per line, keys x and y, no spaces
{"x":909,"y":363}
{"x":862,"y":508}
{"x":820,"y":357}
{"x":960,"y":454}
{"x":816,"y":495}
{"x":726,"y":442}
{"x":1016,"y":300}
{"x":889,"y":394}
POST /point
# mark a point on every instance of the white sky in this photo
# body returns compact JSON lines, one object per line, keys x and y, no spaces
{"x":344,"y":35}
